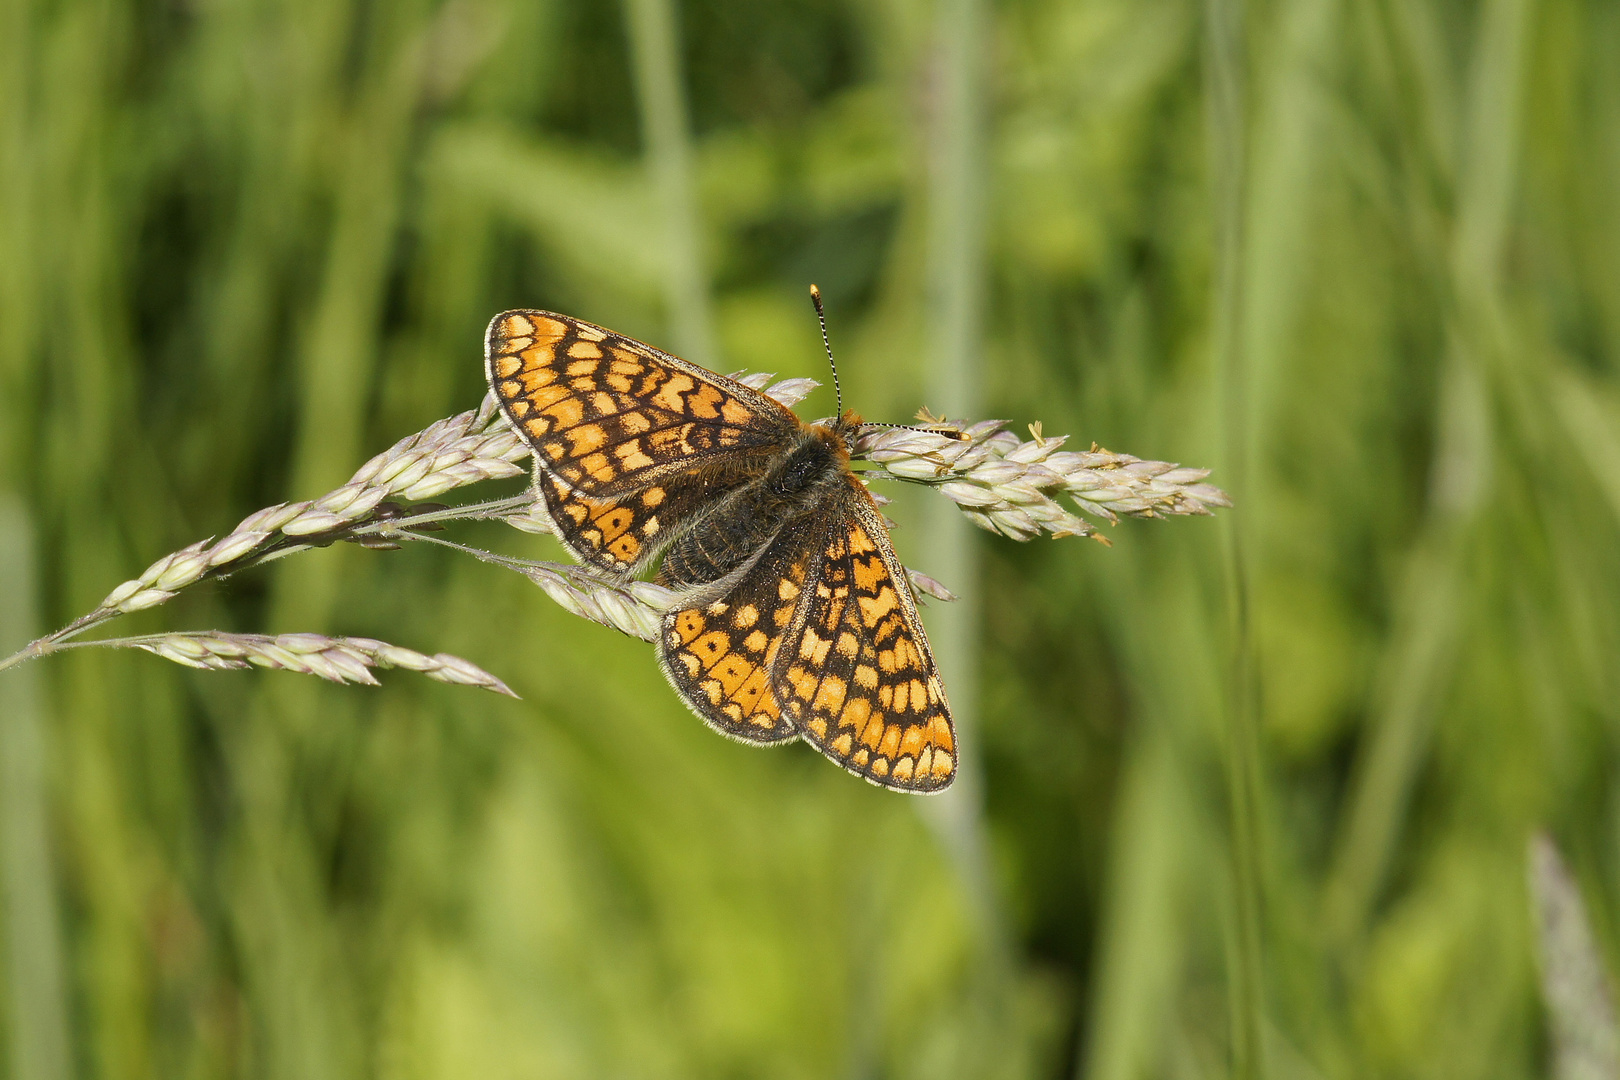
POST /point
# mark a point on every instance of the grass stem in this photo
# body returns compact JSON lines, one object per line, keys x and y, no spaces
{"x":37,"y":1025}
{"x":1228,"y":141}
{"x":955,"y":312}
{"x":661,"y":95}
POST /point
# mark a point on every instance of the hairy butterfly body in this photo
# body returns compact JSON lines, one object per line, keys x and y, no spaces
{"x":796,"y":620}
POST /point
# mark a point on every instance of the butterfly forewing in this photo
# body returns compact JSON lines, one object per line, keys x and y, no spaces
{"x":608,"y":415}
{"x":628,"y":441}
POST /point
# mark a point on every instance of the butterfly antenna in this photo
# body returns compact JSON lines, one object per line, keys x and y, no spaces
{"x":947,"y":431}
{"x":815,"y":298}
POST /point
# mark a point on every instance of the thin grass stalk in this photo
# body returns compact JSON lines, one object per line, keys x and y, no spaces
{"x":291,"y":958}
{"x":1224,"y":62}
{"x":1430,"y":608}
{"x":337,"y":358}
{"x":36,"y":1014}
{"x":1574,"y":983}
{"x":335,"y":659}
{"x":654,"y":27}
{"x":19,"y":279}
{"x":956,"y":254}
{"x":1141,"y":934}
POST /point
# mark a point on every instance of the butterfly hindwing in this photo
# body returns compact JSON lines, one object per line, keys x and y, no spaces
{"x":719,"y":648}
{"x":622,"y":533}
{"x":820,"y":638}
{"x":855,"y":674}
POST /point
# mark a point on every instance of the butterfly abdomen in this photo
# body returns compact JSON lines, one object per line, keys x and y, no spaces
{"x":739,"y":525}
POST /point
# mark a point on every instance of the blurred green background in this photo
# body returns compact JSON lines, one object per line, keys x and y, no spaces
{"x":1246,"y":795}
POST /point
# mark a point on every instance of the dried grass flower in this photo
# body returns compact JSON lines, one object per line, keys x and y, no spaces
{"x":1000,"y":482}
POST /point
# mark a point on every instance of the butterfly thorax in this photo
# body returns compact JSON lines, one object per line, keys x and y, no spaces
{"x":786,"y":492}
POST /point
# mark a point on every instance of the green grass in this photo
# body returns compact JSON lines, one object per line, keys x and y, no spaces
{"x":1248,"y":796}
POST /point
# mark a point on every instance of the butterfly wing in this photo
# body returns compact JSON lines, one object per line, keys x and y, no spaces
{"x":719,"y":648}
{"x":607,"y":414}
{"x":855,"y":673}
{"x":820,"y":638}
{"x":622,"y":533}
{"x":628,"y":441}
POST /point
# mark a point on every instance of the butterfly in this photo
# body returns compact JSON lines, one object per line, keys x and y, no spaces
{"x":795,"y":619}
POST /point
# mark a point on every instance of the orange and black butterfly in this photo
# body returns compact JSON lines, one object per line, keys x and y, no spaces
{"x":795,"y":618}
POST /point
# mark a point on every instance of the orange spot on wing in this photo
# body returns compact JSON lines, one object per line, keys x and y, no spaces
{"x":705,"y":403}
{"x":856,"y":711}
{"x":567,"y":412}
{"x":913,"y":739}
{"x":516,"y":324}
{"x":802,"y":681}
{"x":830,"y":696}
{"x":598,"y":466}
{"x":546,"y":331}
{"x":755,"y":693}
{"x":689,"y":624}
{"x":711,"y":647}
{"x":547,"y":396}
{"x":869,"y":574}
{"x":614,"y":521}
{"x":848,"y":645}
{"x":631,"y":457}
{"x":585,"y":438}
{"x":732,"y":670}
{"x":891,"y":741}
{"x":669,"y":396}
{"x":874,"y":608}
